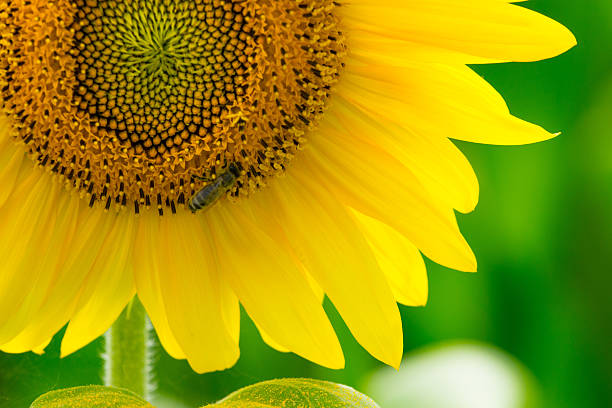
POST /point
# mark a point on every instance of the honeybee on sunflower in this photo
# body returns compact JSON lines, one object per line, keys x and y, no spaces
{"x":311,"y":138}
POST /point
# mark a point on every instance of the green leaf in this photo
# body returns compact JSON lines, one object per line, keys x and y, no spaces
{"x":91,"y":396}
{"x":296,"y":393}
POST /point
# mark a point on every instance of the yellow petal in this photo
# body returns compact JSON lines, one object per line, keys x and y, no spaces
{"x":271,"y":288}
{"x":108,"y":288}
{"x":373,"y":182}
{"x":147,"y":278}
{"x":437,"y":164}
{"x":192,"y":294}
{"x":60,"y":294}
{"x":270,"y":341}
{"x":28,"y":258}
{"x":257,"y":208}
{"x":335,"y":253}
{"x":416,"y":96}
{"x":40,"y":349}
{"x":230,"y":310}
{"x":453,"y":31}
{"x":399,"y":259}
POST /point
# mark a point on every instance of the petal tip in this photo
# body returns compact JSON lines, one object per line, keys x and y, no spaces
{"x":561,"y":41}
{"x":392,"y":356}
{"x":396,"y":361}
{"x":203,"y":367}
{"x":336,"y":363}
{"x":567,"y":40}
{"x":69,"y":344}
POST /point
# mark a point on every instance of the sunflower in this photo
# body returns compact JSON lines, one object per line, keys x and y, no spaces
{"x":204,"y":154}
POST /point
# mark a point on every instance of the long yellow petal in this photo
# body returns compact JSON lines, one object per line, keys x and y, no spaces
{"x":270,"y":341}
{"x":335,"y":253}
{"x":272,"y":289}
{"x":257,"y":209}
{"x":192,"y":293}
{"x":189,"y":251}
{"x":373,"y":182}
{"x":437,"y":164}
{"x":453,"y":31}
{"x":61,"y":294}
{"x":108,"y":288}
{"x":399,"y":259}
{"x":25,"y":271}
{"x":416,"y":96}
{"x":147,"y":278}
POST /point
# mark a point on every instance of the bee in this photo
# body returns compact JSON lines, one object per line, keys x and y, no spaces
{"x":215,"y":189}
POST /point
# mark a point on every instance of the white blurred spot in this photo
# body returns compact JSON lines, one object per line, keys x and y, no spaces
{"x":452,"y":376}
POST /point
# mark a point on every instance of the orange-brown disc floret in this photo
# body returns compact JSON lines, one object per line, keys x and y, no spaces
{"x":133,"y":101}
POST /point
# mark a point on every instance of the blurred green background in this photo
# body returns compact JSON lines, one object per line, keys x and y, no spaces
{"x":542,"y":234}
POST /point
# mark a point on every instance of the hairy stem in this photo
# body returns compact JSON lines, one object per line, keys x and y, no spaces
{"x":126,"y":344}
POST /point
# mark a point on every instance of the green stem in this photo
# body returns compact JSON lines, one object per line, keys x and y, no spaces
{"x":127,"y":350}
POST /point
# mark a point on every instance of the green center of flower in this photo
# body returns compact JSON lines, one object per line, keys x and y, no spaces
{"x":158,"y":73}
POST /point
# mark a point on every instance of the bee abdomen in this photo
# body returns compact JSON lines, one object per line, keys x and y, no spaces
{"x":211,"y":192}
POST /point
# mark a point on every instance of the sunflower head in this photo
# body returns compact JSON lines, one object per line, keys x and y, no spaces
{"x":134,"y":103}
{"x":154,"y":104}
